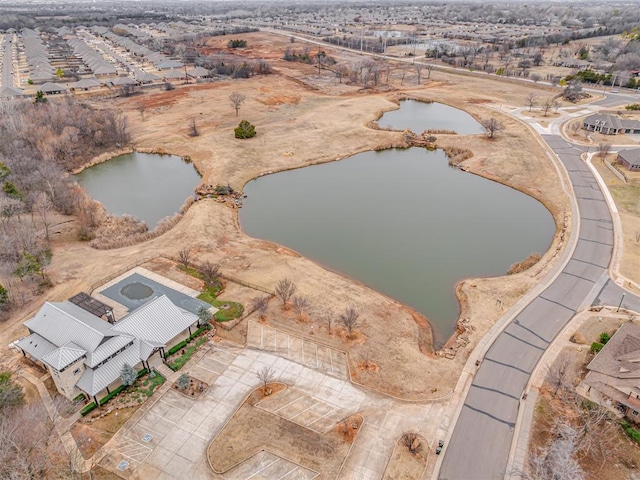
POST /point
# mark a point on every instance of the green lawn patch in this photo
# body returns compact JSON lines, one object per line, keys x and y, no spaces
{"x":227,"y":310}
{"x":210,"y":293}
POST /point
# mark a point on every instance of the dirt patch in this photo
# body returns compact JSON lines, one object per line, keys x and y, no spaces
{"x":252,"y":430}
{"x":91,"y":436}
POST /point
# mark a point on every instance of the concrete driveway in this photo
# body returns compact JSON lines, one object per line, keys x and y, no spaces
{"x":169,"y":435}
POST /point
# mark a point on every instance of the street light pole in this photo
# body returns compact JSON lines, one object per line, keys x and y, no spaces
{"x":620,"y":304}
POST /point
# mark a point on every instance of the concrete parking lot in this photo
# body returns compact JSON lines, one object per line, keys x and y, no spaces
{"x":169,"y":435}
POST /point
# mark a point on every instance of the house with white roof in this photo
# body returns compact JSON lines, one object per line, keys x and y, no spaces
{"x":85,"y":352}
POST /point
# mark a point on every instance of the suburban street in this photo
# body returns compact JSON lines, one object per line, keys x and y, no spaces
{"x":482,"y":438}
{"x":7,"y":63}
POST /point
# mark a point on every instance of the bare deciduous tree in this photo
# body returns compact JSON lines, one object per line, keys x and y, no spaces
{"x":603,"y":149}
{"x":237,"y":99}
{"x":265,"y":375}
{"x":492,"y":125}
{"x":418,"y":67}
{"x":193,"y":127}
{"x":210,"y":272}
{"x":575,"y":127}
{"x":350,"y":319}
{"x":285,"y":289}
{"x":535,"y":77}
{"x":43,"y":207}
{"x":557,"y":460}
{"x":531,"y":100}
{"x":546,"y":106}
{"x":29,"y":445}
{"x":300,"y":305}
{"x":184,"y":255}
{"x":403,"y":73}
{"x":558,"y":373}
{"x":260,"y":305}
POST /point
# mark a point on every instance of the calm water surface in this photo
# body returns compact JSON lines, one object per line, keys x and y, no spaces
{"x":401,"y":221}
{"x":148,"y":186}
{"x":419,"y":116}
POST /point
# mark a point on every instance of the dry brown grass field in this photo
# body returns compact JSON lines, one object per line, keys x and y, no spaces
{"x":303,"y":118}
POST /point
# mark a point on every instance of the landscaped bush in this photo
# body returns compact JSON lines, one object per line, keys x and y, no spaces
{"x":604,"y":338}
{"x":633,"y":106}
{"x":631,"y":432}
{"x":596,"y":347}
{"x":245,"y":130}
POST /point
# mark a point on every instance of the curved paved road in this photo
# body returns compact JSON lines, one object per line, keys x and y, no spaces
{"x":480,"y":443}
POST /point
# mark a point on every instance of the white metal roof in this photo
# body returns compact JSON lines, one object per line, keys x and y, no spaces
{"x":158,"y":320}
{"x":106,"y":349}
{"x":64,"y":356}
{"x":64,"y":322}
{"x":36,"y":346}
{"x":94,"y":380}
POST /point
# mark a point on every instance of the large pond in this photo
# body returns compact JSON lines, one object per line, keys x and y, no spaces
{"x":402,"y":222}
{"x":148,"y":186}
{"x":421,"y":116}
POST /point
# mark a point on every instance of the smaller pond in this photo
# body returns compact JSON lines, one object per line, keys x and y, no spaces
{"x":148,"y":186}
{"x":420,"y":116}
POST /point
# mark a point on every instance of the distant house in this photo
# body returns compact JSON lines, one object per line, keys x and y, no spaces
{"x":614,"y":374}
{"x":51,"y":88}
{"x":169,"y":65}
{"x":84,"y":348}
{"x":198,"y":72}
{"x":86,"y":84}
{"x":630,"y":159}
{"x":610,"y":124}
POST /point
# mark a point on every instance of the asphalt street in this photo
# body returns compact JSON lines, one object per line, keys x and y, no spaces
{"x":7,"y":63}
{"x":480,"y":444}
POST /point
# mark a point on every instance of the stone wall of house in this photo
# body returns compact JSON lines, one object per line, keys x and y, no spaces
{"x":66,"y":380}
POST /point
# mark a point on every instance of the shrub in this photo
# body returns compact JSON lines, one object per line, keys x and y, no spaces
{"x":631,"y":432}
{"x":4,"y":296}
{"x":183,"y":382}
{"x":245,"y":130}
{"x":237,"y":44}
{"x":11,"y":393}
{"x":596,"y":347}
{"x":128,"y":375}
{"x":633,"y":106}
{"x":604,"y":338}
